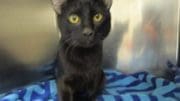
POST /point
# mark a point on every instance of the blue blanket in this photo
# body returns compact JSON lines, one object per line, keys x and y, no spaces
{"x":119,"y":87}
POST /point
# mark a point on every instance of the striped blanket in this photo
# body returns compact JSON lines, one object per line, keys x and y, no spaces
{"x":119,"y":87}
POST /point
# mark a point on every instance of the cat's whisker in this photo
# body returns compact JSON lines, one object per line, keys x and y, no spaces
{"x":68,"y":49}
{"x":68,"y":40}
{"x":74,"y":45}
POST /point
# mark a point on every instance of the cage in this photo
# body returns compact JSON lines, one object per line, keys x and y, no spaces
{"x":144,"y":37}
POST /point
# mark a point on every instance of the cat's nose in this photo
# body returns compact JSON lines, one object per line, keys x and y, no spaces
{"x":87,"y":32}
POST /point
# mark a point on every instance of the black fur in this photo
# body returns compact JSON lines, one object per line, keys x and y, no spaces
{"x":80,"y":77}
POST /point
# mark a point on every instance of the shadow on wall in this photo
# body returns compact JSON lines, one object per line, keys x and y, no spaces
{"x":28,"y":30}
{"x":28,"y":39}
{"x":14,"y":74}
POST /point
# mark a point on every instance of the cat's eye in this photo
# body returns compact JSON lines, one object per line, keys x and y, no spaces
{"x":74,"y":19}
{"x":98,"y":17}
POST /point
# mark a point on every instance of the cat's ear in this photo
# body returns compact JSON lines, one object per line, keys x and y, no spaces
{"x":108,"y":3}
{"x":57,"y":5}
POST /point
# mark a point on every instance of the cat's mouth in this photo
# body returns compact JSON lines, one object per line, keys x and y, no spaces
{"x":87,"y":43}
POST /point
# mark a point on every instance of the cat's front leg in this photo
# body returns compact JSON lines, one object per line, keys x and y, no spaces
{"x":97,"y":86}
{"x":65,"y":91}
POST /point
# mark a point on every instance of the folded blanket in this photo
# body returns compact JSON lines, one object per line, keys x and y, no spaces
{"x":119,"y":87}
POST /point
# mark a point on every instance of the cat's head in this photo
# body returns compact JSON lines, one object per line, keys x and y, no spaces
{"x":83,"y":23}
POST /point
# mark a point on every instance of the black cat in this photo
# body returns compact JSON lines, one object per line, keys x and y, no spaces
{"x":83,"y":24}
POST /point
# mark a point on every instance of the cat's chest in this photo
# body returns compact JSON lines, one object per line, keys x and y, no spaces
{"x":84,"y":59}
{"x":80,"y":60}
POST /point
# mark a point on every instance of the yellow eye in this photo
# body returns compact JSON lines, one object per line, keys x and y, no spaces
{"x":74,"y":19}
{"x":98,"y":17}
